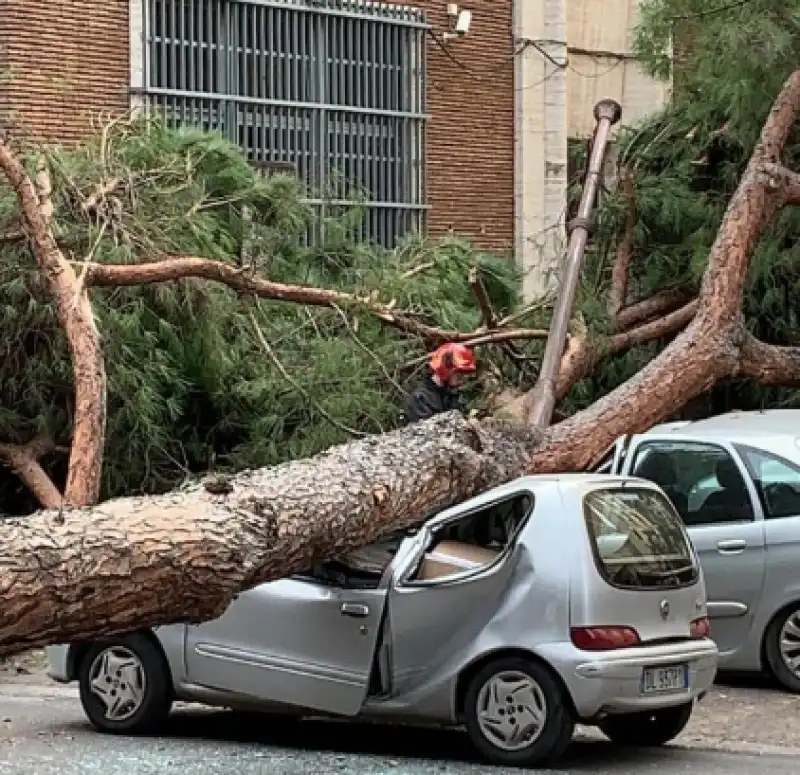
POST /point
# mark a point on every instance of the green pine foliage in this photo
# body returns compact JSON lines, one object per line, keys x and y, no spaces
{"x":190,"y":386}
{"x":687,"y":162}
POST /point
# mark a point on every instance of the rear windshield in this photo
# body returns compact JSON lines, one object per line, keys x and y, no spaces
{"x":637,"y":539}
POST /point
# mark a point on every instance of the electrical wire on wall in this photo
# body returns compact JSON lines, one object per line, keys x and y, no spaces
{"x":522,"y":45}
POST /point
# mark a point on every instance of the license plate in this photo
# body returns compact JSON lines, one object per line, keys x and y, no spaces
{"x":673,"y":678}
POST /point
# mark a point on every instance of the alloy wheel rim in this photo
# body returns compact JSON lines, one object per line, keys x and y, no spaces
{"x":117,"y":678}
{"x":790,"y":643}
{"x":511,"y":710}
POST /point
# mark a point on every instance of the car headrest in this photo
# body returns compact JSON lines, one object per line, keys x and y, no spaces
{"x":658,"y":467}
{"x":728,"y":475}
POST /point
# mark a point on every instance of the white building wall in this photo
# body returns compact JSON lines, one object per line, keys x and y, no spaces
{"x":541,"y":148}
{"x":555,"y":104}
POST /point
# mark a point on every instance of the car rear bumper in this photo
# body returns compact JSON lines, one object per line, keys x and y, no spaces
{"x":610,"y":682}
{"x":58,"y":667}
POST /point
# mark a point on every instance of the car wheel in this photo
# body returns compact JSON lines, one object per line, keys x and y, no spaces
{"x":517,"y":713}
{"x":648,"y":728}
{"x":125,"y":685}
{"x":782,"y":649}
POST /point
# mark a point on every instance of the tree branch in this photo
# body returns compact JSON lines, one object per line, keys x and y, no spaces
{"x":183,"y":267}
{"x":77,"y":319}
{"x":23,"y":460}
{"x":769,"y":364}
{"x":785,"y":181}
{"x":582,"y":357}
{"x":618,"y":292}
{"x":582,"y":354}
{"x":489,"y":317}
{"x":653,"y":306}
{"x":482,"y":299}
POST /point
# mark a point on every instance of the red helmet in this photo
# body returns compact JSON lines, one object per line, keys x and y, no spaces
{"x":452,"y":358}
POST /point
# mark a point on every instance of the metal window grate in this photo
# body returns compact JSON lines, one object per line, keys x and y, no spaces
{"x":335,"y":88}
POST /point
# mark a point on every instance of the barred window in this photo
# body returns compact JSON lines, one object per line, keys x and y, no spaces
{"x":334,"y":89}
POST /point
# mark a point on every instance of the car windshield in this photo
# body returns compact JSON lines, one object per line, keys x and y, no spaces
{"x":638,"y":539}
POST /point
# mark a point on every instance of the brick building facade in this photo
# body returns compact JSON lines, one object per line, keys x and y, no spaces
{"x":63,"y":61}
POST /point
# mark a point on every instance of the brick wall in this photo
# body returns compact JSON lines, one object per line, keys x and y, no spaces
{"x":65,"y":60}
{"x":62,"y":61}
{"x":471,"y":131}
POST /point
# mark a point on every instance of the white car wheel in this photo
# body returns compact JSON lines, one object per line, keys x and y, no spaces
{"x":516,"y":713}
{"x":118,"y":679}
{"x":125,"y":685}
{"x":782,"y":648}
{"x":511,"y":710}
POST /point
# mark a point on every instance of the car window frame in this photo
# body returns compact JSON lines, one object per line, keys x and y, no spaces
{"x":728,"y":448}
{"x":742,"y":450}
{"x":429,"y":530}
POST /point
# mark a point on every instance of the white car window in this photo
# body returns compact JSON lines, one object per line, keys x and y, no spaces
{"x":702,"y":480}
{"x":777,"y":480}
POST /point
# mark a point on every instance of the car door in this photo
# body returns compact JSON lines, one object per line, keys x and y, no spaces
{"x":428,"y":620}
{"x":729,"y":540}
{"x":297,"y":641}
{"x":777,"y":480}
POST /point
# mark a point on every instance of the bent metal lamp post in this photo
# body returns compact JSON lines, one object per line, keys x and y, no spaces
{"x":606,"y":114}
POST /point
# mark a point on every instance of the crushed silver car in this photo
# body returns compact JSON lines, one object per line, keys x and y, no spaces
{"x":735,"y":481}
{"x":545,"y":602}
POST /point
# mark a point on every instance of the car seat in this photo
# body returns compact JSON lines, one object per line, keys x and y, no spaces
{"x":732,"y":502}
{"x":660,"y":468}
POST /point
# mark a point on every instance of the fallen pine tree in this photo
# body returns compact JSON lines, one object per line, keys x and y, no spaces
{"x":80,"y":570}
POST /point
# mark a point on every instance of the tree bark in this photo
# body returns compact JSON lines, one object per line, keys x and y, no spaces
{"x":139,"y":562}
{"x":654,"y":306}
{"x":767,"y":363}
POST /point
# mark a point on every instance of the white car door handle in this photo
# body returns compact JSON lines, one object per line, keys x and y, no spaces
{"x":358,"y":610}
{"x":734,"y":546}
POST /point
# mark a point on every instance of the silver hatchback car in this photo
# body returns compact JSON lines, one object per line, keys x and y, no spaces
{"x":545,"y":602}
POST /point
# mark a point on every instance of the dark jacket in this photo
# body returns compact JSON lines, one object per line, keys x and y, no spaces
{"x":429,"y":399}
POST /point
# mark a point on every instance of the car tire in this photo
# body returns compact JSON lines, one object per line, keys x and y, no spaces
{"x":648,"y":728}
{"x":542,"y":706}
{"x":125,"y":685}
{"x":772,"y":649}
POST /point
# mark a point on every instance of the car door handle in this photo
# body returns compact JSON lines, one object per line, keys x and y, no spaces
{"x":358,"y":610}
{"x":731,"y":547}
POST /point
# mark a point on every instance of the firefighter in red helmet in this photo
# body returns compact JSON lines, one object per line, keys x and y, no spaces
{"x":438,"y":392}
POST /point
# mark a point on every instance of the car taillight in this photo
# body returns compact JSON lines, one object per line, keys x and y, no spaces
{"x":604,"y":638}
{"x":700,"y":628}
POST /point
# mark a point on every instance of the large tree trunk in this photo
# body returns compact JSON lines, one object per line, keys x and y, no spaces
{"x":138,"y":562}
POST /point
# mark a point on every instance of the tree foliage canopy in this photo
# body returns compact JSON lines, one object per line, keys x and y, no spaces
{"x":190,"y":386}
{"x":686,"y":162}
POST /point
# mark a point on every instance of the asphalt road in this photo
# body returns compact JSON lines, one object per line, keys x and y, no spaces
{"x":43,"y":732}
